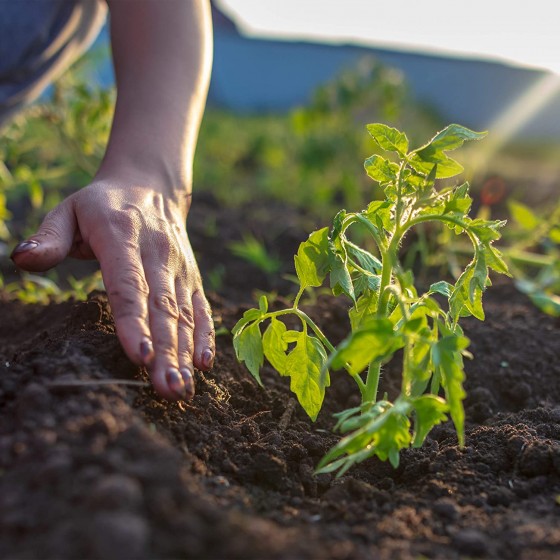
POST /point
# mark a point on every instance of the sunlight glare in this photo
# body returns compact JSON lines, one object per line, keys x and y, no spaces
{"x":515,"y":116}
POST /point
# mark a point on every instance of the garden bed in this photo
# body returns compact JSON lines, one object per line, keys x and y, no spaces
{"x":113,"y":471}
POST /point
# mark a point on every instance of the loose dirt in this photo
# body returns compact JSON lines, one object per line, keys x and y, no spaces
{"x":110,"y":470}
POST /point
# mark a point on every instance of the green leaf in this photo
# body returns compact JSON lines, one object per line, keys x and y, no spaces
{"x":414,"y":325}
{"x":249,"y":349}
{"x":379,"y":214}
{"x":313,"y":259}
{"x":384,"y":435}
{"x":495,"y":260}
{"x":263,"y":304}
{"x":446,"y":167}
{"x":466,"y":298}
{"x":447,"y":359}
{"x":373,"y":340}
{"x":305,"y":365}
{"x":430,"y":410}
{"x":248,"y":317}
{"x":381,"y":169}
{"x":486,"y":230}
{"x":340,"y":279}
{"x":450,"y":138}
{"x":444,"y":288}
{"x":459,"y":202}
{"x":388,"y":138}
{"x":275,"y":345}
{"x":365,"y":259}
{"x":337,"y":224}
{"x":523,"y":215}
{"x":365,"y":306}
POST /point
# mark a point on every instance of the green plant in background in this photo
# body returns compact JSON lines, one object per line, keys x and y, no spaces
{"x":32,"y":288}
{"x":254,"y":252}
{"x":306,"y":158}
{"x":387,"y":312}
{"x":533,"y":255}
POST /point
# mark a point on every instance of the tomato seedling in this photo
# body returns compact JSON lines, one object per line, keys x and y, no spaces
{"x":387,"y":313}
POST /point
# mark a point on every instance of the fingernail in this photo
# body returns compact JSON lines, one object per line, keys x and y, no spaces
{"x":189,"y":382}
{"x":23,"y":247}
{"x":146,"y":349}
{"x":208,"y":358}
{"x":175,"y":382}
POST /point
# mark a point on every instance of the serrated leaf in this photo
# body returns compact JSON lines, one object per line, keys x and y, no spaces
{"x":337,"y":224}
{"x":364,"y":283}
{"x":379,"y":214}
{"x":486,"y":230}
{"x":249,"y":349}
{"x":384,"y":435}
{"x":466,"y":298}
{"x":313,"y":259}
{"x":388,"y":138}
{"x":340,"y":279}
{"x":306,"y":365}
{"x":365,"y":259}
{"x":447,"y":359}
{"x":249,"y":316}
{"x":381,"y":169}
{"x":445,"y":166}
{"x":444,"y":288}
{"x":495,"y":260}
{"x":450,"y":138}
{"x":430,"y":410}
{"x":365,"y":306}
{"x":459,"y":202}
{"x":373,"y":340}
{"x":275,"y":345}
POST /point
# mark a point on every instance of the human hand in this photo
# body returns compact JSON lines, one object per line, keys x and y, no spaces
{"x":138,"y":235}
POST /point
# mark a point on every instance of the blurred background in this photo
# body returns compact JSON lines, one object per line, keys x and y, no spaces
{"x":294,"y":83}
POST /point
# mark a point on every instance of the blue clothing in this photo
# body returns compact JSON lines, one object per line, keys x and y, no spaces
{"x":39,"y":39}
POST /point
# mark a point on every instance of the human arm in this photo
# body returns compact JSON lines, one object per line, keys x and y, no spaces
{"x":132,"y":216}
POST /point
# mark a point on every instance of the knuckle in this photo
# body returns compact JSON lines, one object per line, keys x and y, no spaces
{"x":130,"y":286}
{"x":166,"y":304}
{"x":186,"y":316}
{"x":125,"y":219}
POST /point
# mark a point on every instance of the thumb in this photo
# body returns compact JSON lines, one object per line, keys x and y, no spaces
{"x":52,"y":242}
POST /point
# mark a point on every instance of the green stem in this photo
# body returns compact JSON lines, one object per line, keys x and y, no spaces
{"x":381,"y":243}
{"x":372,"y":383}
{"x":398,"y":210}
{"x":298,"y":297}
{"x":388,"y":262}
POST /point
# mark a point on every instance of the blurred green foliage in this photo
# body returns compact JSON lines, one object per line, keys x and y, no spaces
{"x":308,"y":159}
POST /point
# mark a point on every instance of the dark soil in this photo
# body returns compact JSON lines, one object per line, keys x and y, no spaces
{"x":112,"y":471}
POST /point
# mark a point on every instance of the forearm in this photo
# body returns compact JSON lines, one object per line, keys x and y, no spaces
{"x":162,"y":53}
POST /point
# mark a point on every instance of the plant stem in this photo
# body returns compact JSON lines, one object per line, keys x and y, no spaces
{"x":387,"y":265}
{"x":372,"y":383}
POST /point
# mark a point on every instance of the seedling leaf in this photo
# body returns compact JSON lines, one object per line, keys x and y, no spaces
{"x":304,"y":365}
{"x":313,"y":259}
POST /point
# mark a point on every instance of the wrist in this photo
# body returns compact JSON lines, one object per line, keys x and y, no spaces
{"x":173,"y":179}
